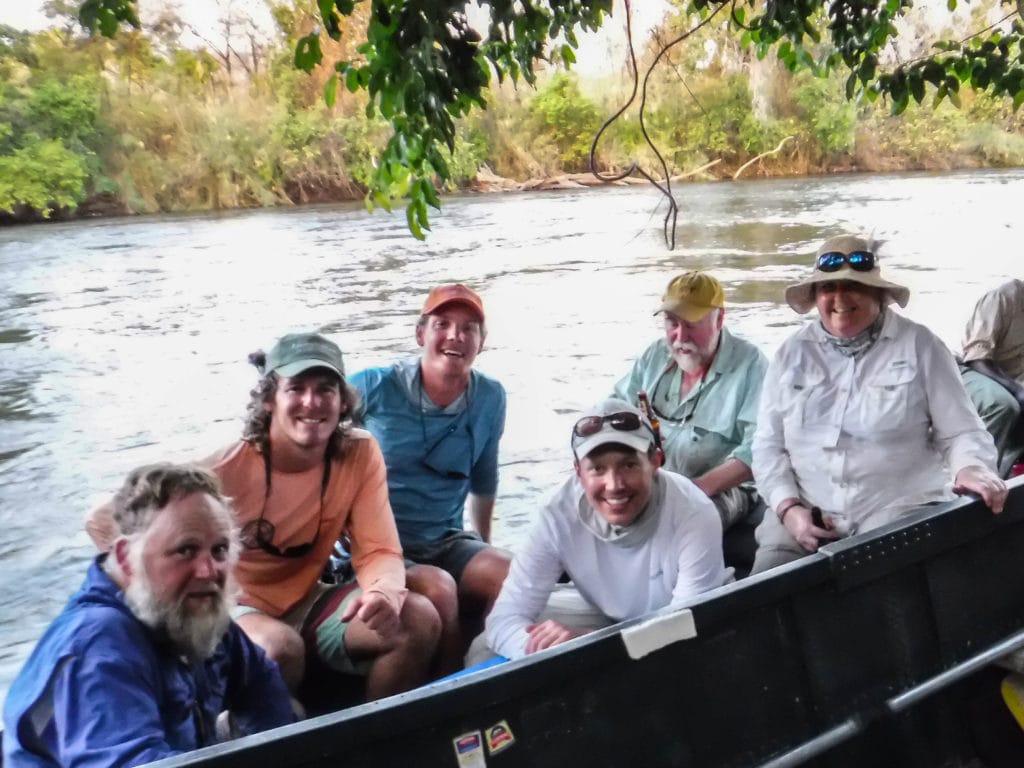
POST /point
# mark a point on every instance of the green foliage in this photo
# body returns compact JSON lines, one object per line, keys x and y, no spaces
{"x":832,"y":121}
{"x":15,"y":44}
{"x":472,"y":149}
{"x":995,"y":145}
{"x":44,"y":174}
{"x":66,"y":110}
{"x":568,"y":119}
{"x":716,"y":121}
{"x":106,"y":15}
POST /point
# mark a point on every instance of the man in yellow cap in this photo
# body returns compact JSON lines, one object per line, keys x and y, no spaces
{"x":703,"y":384}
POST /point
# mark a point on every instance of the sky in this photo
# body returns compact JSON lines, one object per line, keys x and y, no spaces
{"x":597,"y":50}
{"x":201,"y":14}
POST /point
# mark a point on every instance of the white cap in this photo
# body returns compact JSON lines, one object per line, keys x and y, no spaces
{"x":639,"y":439}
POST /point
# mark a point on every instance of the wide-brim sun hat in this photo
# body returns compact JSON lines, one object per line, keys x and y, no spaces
{"x":800,"y":296}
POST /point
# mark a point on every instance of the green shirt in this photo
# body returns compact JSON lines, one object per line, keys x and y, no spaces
{"x":716,"y":420}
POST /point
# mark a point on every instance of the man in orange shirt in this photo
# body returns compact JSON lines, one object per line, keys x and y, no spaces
{"x":299,"y":479}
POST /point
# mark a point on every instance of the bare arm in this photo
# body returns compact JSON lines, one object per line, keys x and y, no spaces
{"x":726,"y":475}
{"x":481,"y":512}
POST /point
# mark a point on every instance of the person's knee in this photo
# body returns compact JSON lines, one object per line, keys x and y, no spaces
{"x":1001,"y":407}
{"x":285,"y":646}
{"x":438,"y":587}
{"x":282,"y":645}
{"x":421,"y":623}
{"x":994,"y":403}
{"x":767,"y":558}
{"x":484,"y":575}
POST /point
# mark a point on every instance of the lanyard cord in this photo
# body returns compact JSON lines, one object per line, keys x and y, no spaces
{"x":696,"y":400}
{"x":422,"y":408}
{"x":325,"y":478}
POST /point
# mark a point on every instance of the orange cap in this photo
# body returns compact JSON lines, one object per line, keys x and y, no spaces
{"x":450,"y":294}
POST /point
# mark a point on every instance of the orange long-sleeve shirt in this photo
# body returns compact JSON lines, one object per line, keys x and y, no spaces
{"x":355,"y":501}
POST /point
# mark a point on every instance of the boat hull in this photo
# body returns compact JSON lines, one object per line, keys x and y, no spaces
{"x":801,"y":665}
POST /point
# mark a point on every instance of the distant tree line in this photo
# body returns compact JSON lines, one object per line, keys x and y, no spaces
{"x":138,"y":123}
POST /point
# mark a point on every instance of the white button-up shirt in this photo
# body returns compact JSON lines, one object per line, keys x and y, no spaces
{"x":865,"y":438}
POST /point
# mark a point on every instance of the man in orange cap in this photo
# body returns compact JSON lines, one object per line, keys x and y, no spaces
{"x":438,"y":422}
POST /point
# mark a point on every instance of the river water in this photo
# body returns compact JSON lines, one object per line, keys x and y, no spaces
{"x":124,"y":341}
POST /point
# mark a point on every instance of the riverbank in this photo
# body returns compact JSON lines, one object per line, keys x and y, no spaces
{"x":487,"y":182}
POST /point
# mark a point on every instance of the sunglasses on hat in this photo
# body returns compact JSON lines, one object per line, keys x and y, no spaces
{"x":859,"y":261}
{"x":623,"y":422}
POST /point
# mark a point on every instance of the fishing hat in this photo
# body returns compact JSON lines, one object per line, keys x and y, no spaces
{"x":456,"y":293}
{"x":692,"y":295}
{"x":846,"y":257}
{"x":298,"y":352}
{"x":611,"y":421}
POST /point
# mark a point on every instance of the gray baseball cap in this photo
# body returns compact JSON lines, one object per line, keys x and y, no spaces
{"x":298,"y":352}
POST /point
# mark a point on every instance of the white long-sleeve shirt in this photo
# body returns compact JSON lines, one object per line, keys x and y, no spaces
{"x":865,"y":438}
{"x":679,"y":555}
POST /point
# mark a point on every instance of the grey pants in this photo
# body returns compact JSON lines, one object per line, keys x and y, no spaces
{"x":1000,"y":411}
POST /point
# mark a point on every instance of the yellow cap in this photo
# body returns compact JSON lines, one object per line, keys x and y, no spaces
{"x":692,"y":295}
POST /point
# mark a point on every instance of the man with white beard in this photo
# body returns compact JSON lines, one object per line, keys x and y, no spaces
{"x":145,"y":656}
{"x":703,"y":384}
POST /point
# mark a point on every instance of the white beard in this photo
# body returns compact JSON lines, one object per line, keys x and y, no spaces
{"x":688,"y":361}
{"x":690,"y":358}
{"x":194,"y":636}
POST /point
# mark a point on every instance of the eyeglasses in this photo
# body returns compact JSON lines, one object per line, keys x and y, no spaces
{"x":859,"y":261}
{"x":623,"y":422}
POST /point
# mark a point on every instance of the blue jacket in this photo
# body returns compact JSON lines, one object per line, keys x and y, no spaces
{"x":100,"y":690}
{"x":435,"y":457}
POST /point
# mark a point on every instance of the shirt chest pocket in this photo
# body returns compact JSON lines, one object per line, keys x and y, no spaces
{"x":805,"y":397}
{"x":889,"y":399}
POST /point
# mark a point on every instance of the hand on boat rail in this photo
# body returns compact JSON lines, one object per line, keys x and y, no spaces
{"x":984,"y":482}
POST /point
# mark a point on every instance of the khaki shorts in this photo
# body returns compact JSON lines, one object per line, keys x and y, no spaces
{"x":318,"y":620}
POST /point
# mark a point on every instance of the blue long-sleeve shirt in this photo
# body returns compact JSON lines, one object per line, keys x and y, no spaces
{"x":435,"y":457}
{"x":101,"y":690}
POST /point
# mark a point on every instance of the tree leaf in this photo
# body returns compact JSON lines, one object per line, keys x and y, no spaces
{"x":917,"y":87}
{"x":307,"y":52}
{"x":331,"y":90}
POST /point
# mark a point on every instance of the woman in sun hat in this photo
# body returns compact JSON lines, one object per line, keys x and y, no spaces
{"x":861,"y":412}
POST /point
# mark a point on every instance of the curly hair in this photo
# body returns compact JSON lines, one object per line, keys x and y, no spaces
{"x":257,"y":417}
{"x":149,"y":489}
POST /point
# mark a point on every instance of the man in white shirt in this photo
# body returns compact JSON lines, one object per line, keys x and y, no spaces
{"x":633,"y":537}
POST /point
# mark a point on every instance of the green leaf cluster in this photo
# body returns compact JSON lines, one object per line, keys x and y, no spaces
{"x":568,"y":119}
{"x":43,"y":174}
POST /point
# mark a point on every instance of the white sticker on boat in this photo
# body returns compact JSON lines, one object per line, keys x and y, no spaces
{"x":469,"y":750}
{"x":654,"y":634}
{"x":499,"y":737}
